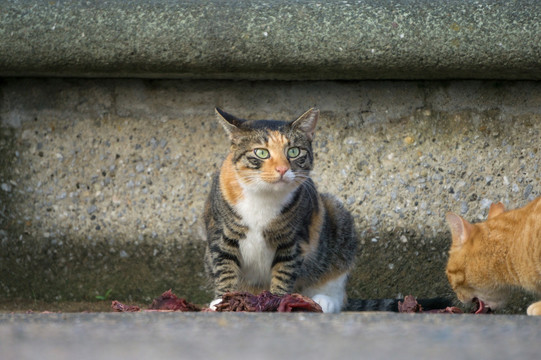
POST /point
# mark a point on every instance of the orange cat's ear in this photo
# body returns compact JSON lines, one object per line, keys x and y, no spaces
{"x":495,"y":210}
{"x":307,"y":122}
{"x":460,"y":228}
{"x":229,"y":122}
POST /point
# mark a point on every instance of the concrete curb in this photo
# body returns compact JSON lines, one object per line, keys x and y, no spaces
{"x":421,"y":39}
{"x":301,"y":336}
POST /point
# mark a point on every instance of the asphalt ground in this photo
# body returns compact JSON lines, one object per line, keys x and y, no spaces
{"x":349,"y":335}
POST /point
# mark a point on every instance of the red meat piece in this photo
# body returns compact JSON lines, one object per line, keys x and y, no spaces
{"x":297,"y":302}
{"x":237,"y":301}
{"x":119,"y":307}
{"x":169,"y":301}
{"x":165,"y":302}
{"x":266,"y":302}
{"x":410,"y":305}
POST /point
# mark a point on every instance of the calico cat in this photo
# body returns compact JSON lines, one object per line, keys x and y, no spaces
{"x":267,"y":226}
{"x":488,"y":259}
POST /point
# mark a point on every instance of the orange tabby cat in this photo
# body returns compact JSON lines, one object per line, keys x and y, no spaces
{"x":488,"y":259}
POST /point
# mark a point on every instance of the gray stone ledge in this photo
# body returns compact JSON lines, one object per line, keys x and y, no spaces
{"x":290,"y":40}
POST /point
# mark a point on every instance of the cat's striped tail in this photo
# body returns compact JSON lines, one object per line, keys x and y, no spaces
{"x":392,"y":304}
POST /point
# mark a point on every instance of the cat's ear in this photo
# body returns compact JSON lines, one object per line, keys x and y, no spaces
{"x":460,"y":228}
{"x":307,"y":123}
{"x":495,"y":210}
{"x":229,"y":122}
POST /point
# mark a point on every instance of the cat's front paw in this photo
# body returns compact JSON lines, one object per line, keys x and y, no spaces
{"x":213,"y":303}
{"x":327,"y":303}
{"x":534,"y":309}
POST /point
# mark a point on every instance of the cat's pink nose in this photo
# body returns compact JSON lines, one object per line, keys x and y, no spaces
{"x":282,"y":169}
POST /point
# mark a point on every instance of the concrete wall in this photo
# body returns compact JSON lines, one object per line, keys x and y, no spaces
{"x":102,"y":181}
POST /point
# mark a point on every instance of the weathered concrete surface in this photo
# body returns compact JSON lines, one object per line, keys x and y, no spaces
{"x":291,"y":40}
{"x":102,"y":182}
{"x":268,"y":336}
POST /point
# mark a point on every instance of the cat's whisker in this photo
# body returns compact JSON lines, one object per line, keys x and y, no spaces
{"x":249,"y":178}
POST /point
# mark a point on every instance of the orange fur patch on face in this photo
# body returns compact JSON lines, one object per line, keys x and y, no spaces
{"x":276,"y":145}
{"x":229,"y":184}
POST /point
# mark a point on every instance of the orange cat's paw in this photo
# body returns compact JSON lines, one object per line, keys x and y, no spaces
{"x":534,"y":309}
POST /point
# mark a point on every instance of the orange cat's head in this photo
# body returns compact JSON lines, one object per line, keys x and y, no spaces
{"x":470,"y":268}
{"x":269,"y":155}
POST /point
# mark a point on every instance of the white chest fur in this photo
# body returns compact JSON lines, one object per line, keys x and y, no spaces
{"x":257,"y":211}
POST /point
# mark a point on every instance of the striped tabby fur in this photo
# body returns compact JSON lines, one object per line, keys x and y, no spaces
{"x":267,"y":226}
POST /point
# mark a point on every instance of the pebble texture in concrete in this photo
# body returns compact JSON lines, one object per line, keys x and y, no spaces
{"x":103,"y":181}
{"x":288,"y":39}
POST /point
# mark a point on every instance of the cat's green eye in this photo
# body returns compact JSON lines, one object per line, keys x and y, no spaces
{"x":293,"y":152}
{"x":262,"y":153}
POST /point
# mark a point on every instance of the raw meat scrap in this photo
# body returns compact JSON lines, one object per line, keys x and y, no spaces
{"x":297,"y":302}
{"x":119,"y":307}
{"x":231,"y":302}
{"x":410,"y":305}
{"x":266,"y":302}
{"x":165,"y":302}
{"x":447,"y":310}
{"x":238,"y":301}
{"x":169,"y":301}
